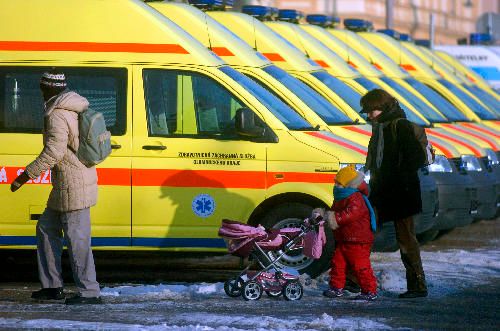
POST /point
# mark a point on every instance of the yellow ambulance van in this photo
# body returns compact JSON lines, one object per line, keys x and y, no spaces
{"x":194,"y":141}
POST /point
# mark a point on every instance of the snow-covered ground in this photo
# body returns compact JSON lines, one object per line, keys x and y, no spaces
{"x":204,"y":306}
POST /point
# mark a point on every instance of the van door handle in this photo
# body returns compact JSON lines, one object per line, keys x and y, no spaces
{"x":116,"y":146}
{"x":154,"y":147}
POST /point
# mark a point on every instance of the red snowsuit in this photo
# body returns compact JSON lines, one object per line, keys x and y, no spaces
{"x":353,"y":242}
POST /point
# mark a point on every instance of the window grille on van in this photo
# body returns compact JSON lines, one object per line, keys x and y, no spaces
{"x":21,"y":101}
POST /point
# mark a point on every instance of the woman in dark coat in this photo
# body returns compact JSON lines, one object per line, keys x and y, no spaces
{"x":394,"y":157}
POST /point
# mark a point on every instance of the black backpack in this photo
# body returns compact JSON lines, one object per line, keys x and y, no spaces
{"x":419,"y":132}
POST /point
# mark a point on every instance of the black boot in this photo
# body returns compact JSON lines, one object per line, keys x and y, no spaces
{"x":49,"y":294}
{"x":79,"y":300}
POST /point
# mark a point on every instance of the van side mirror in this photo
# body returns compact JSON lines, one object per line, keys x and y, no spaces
{"x":246,"y":124}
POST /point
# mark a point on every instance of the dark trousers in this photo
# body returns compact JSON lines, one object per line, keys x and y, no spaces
{"x":410,"y":254}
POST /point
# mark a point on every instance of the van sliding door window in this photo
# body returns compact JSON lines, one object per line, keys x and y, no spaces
{"x":21,"y":102}
{"x":181,"y":103}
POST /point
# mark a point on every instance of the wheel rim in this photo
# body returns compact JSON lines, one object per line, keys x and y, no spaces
{"x":293,"y":259}
{"x":253,"y":291}
{"x":293,"y":291}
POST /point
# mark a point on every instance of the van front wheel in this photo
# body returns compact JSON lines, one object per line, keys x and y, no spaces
{"x":291,"y":215}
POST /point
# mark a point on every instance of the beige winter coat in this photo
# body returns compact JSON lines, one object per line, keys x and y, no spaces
{"x":74,"y":186}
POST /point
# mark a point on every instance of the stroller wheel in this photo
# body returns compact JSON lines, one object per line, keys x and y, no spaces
{"x":233,"y":287}
{"x":273,"y":294}
{"x":252,"y":290}
{"x":293,"y":290}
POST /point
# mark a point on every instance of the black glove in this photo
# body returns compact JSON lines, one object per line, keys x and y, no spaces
{"x":19,"y":181}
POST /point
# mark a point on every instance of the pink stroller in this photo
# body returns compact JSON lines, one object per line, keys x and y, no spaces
{"x":244,"y":240}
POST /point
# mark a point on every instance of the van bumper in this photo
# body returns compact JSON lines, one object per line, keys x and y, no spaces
{"x":457,"y":200}
{"x":430,"y":203}
{"x":487,"y":194}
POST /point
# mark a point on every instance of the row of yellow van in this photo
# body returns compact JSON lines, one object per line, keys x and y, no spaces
{"x":217,"y":114}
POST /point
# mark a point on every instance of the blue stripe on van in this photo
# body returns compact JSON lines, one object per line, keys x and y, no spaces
{"x":488,"y":73}
{"x":123,"y":242}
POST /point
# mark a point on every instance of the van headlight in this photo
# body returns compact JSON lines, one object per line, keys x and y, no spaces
{"x":492,"y":157}
{"x":358,"y":167}
{"x":471,"y":163}
{"x":440,"y":164}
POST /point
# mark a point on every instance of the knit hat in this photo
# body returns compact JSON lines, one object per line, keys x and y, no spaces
{"x":346,"y":175}
{"x":53,"y":79}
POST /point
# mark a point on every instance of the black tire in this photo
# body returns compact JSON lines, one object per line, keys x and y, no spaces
{"x":233,"y":287}
{"x":293,"y":290}
{"x":288,"y":214}
{"x":427,"y":236}
{"x":251,"y":291}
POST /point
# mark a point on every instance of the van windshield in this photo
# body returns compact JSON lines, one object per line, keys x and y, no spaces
{"x":278,"y":108}
{"x":443,"y":105}
{"x":478,"y":109}
{"x":327,"y":111}
{"x":340,"y":88}
{"x":369,"y":85}
{"x":424,"y":109}
{"x":484,"y":96}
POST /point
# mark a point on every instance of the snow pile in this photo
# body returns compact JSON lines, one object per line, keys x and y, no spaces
{"x":184,"y":322}
{"x":163,"y":291}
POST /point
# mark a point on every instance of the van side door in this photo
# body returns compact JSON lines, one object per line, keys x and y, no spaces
{"x":190,"y":168}
{"x":21,"y":123}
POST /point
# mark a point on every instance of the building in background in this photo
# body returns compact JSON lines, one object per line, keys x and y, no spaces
{"x":454,"y":19}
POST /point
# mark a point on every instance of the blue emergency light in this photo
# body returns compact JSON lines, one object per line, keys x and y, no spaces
{"x":390,"y":32}
{"x":290,"y":15}
{"x":480,"y":39}
{"x":358,"y":25}
{"x":325,"y":21}
{"x":405,"y":37}
{"x":262,"y":13}
{"x":211,"y":4}
{"x":423,"y":42}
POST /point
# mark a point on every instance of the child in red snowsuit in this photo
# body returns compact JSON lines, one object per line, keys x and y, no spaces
{"x":353,"y":221}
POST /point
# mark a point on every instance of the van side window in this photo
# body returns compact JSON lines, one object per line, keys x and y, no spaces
{"x":188,"y":103}
{"x":21,"y":102}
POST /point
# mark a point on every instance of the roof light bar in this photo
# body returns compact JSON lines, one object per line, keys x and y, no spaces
{"x":290,"y":15}
{"x":358,"y":25}
{"x":405,"y":37}
{"x":325,"y":21}
{"x":262,"y":13}
{"x":423,"y":42}
{"x":211,"y":4}
{"x":480,"y":39}
{"x":391,"y":33}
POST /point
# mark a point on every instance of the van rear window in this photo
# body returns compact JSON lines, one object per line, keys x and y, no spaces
{"x":21,"y":102}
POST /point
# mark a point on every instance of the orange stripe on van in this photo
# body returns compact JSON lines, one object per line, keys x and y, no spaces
{"x":486,"y":140}
{"x":443,"y":149}
{"x":474,"y":150}
{"x":222,"y":51}
{"x":480,"y":129}
{"x":322,"y":63}
{"x":376,"y":65}
{"x":274,"y":57}
{"x":339,"y":142}
{"x":352,"y":64}
{"x":407,"y":67}
{"x":469,"y":77}
{"x":358,"y":130}
{"x":91,"y":47}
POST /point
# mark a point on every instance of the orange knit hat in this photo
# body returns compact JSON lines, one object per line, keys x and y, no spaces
{"x":346,"y":174}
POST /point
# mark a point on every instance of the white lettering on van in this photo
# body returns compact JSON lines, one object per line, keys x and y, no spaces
{"x":46,"y":177}
{"x":3,"y":176}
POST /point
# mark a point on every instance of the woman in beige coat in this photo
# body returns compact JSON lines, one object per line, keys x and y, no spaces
{"x":74,"y":191}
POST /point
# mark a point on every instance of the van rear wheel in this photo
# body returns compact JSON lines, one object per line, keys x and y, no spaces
{"x":288,"y":215}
